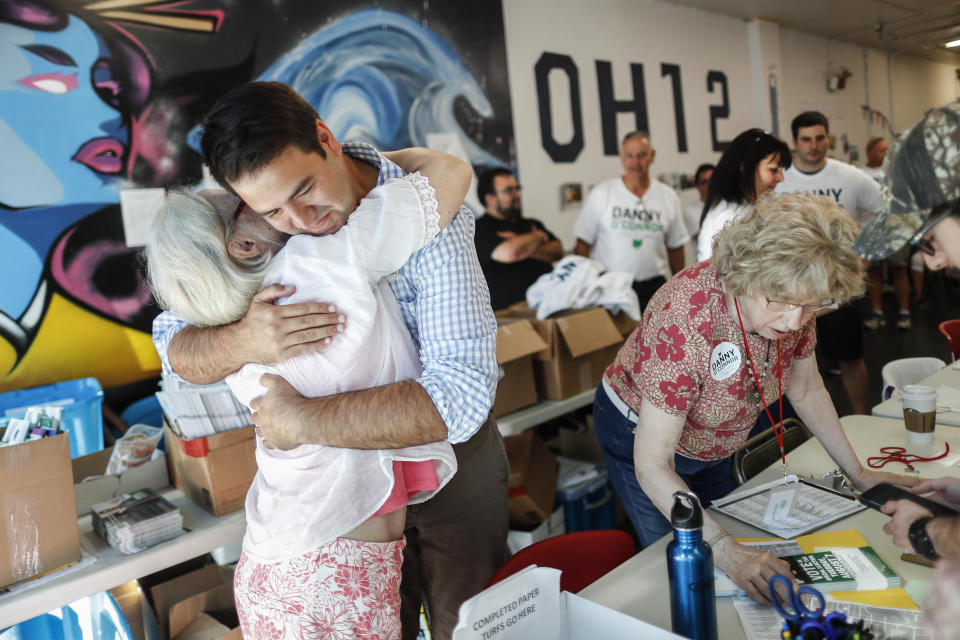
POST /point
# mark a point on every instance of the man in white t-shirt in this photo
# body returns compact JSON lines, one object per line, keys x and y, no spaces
{"x":840,"y":333}
{"x":633,"y":223}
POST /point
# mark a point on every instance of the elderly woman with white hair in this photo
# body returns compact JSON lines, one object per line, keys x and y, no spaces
{"x":324,"y":525}
{"x":718,"y":343}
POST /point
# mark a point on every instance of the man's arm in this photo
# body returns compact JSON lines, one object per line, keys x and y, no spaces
{"x":676,"y":259}
{"x":536,"y":244}
{"x":355,"y":419}
{"x":582,"y":248}
{"x":267,"y":333}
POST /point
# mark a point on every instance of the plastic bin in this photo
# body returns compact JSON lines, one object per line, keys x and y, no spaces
{"x":95,"y":617}
{"x":82,"y":402}
{"x":589,"y":505}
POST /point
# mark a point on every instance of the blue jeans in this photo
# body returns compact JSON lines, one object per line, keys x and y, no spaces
{"x":710,"y":480}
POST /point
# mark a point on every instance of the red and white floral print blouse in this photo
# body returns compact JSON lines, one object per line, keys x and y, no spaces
{"x":687,"y":358}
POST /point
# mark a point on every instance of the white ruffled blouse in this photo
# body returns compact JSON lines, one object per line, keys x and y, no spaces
{"x":308,"y":496}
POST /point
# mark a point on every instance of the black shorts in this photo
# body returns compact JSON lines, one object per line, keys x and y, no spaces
{"x":840,"y":333}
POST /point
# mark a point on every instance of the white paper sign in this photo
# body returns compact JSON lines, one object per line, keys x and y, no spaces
{"x":529,"y":606}
{"x":525,"y":605}
{"x":725,"y":360}
{"x":138,"y":207}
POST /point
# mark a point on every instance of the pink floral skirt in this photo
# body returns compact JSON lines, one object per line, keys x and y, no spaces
{"x":346,"y":589}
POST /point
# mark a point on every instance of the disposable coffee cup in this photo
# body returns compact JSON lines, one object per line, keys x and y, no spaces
{"x":919,"y":412}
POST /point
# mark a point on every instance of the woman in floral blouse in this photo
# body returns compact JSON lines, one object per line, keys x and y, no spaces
{"x":683,"y":394}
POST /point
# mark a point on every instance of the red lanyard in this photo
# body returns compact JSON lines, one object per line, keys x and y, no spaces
{"x":899,"y":454}
{"x":756,"y":381}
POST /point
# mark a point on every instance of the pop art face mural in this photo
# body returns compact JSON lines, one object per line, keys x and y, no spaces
{"x":99,"y":96}
{"x":63,"y":135}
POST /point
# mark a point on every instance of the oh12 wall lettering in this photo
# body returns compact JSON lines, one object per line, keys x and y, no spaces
{"x":610,"y":106}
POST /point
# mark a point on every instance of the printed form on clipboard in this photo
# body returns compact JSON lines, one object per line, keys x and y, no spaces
{"x":787,"y":507}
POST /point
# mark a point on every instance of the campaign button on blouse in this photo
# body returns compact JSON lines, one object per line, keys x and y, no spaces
{"x":725,"y":360}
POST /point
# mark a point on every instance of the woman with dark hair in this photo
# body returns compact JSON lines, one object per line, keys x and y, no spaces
{"x":750,"y":168}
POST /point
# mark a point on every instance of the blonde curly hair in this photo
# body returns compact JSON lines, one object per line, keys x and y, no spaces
{"x":792,"y":247}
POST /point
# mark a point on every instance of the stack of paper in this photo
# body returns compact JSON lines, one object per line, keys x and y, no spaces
{"x":135,"y":521}
{"x":196,"y":410}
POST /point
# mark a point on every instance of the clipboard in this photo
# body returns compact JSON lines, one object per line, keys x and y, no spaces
{"x":811,"y":507}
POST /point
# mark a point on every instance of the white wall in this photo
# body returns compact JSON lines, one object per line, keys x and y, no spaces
{"x":652,"y":32}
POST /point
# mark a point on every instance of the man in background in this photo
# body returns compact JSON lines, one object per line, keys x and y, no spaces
{"x":876,"y":152}
{"x":633,"y":223}
{"x":513,"y":251}
{"x":693,"y":213}
{"x":840,"y":333}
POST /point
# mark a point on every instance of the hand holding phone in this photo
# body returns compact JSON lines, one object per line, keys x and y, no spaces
{"x":879,"y":494}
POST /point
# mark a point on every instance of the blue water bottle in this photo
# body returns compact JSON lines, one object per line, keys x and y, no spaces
{"x":693,"y":607}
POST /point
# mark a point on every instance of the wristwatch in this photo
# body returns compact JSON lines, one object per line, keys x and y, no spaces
{"x":920,"y":540}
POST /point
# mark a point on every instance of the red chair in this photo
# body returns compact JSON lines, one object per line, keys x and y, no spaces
{"x":583,"y":557}
{"x":951,"y":329}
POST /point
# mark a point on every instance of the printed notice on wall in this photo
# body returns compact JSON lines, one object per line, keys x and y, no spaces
{"x":138,"y":208}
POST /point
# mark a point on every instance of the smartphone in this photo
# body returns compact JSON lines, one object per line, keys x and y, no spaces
{"x":882,"y":492}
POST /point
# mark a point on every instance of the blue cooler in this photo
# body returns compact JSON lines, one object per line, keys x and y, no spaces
{"x":82,"y":402}
{"x":589,"y":505}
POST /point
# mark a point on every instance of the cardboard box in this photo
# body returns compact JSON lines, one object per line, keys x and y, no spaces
{"x":215,"y":471}
{"x":149,"y":475}
{"x":532,"y":486}
{"x":520,"y":539}
{"x":530,"y":605}
{"x":130,"y":600}
{"x":581,"y":344}
{"x":517,"y":341}
{"x":207,"y":594}
{"x":39,"y":532}
{"x":624,"y":323}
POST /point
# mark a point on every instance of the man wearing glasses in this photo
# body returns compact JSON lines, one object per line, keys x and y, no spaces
{"x":632,"y":223}
{"x":693,"y":212}
{"x":513,"y":251}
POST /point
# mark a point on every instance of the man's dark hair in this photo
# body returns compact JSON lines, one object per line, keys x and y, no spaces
{"x":809,"y":119}
{"x":733,"y":178}
{"x":250,"y":125}
{"x":700,"y":170}
{"x":485,"y":182}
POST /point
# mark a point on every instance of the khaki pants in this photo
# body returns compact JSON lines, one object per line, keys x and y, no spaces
{"x":458,"y":538}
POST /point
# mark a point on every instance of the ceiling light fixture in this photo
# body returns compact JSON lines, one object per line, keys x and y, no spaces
{"x":954,"y":43}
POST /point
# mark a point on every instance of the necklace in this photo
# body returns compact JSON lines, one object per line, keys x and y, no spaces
{"x":759,"y":391}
